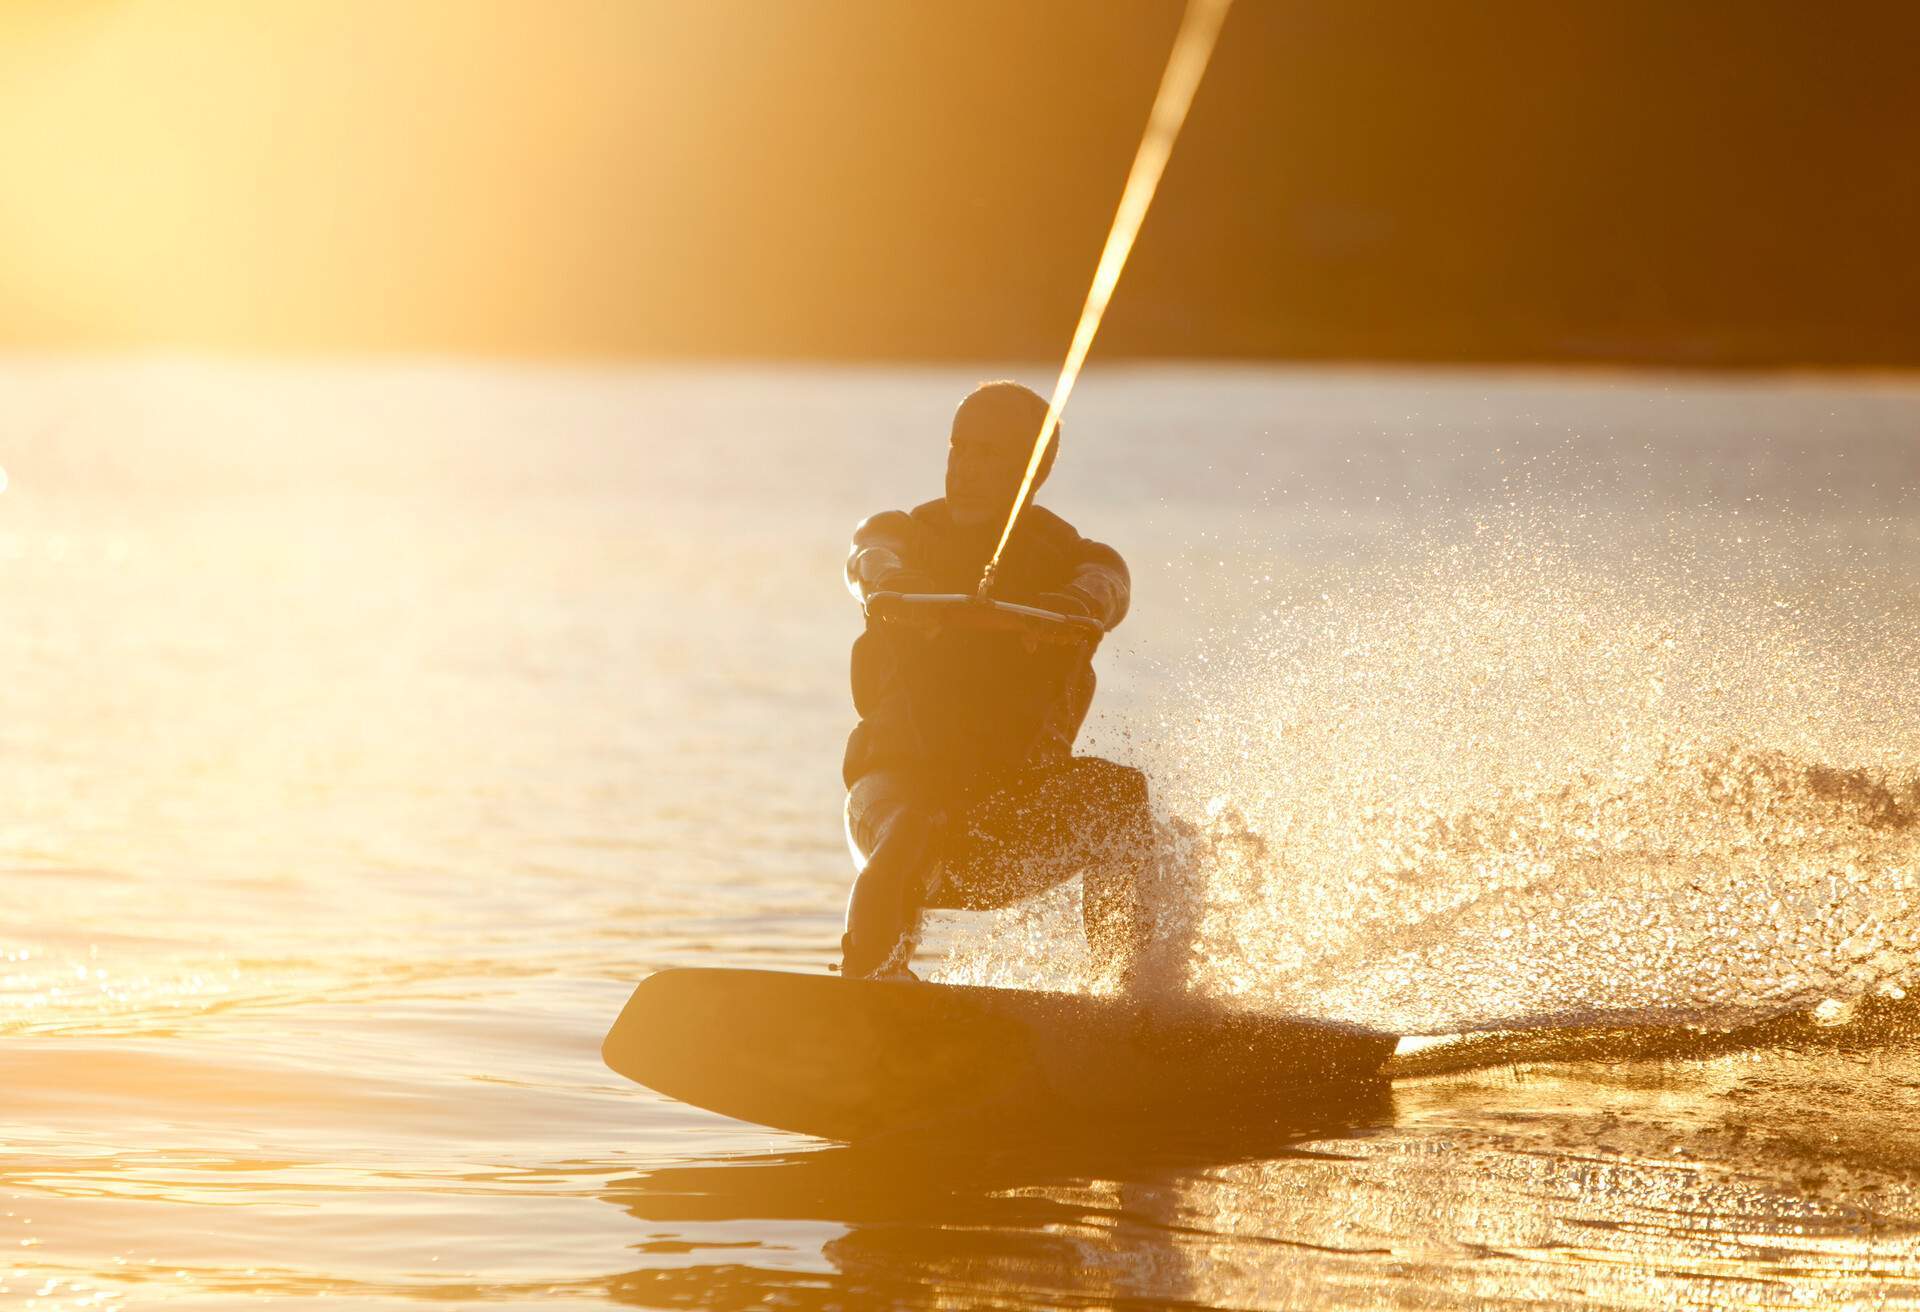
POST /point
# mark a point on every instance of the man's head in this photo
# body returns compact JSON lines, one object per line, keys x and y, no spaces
{"x":993,"y":434}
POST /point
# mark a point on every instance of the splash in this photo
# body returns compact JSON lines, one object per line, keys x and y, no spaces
{"x":1531,"y":775}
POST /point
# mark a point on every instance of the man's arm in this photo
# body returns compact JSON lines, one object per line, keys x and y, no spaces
{"x":1100,"y":582}
{"x":877,"y":561}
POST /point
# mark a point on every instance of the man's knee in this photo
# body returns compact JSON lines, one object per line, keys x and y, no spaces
{"x":1118,"y":789}
{"x":884,"y":812}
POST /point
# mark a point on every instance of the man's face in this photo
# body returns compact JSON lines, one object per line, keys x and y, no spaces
{"x":983,"y":474}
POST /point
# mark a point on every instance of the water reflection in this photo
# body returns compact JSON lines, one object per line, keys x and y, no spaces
{"x":1660,"y":1168}
{"x":1103,"y":1216}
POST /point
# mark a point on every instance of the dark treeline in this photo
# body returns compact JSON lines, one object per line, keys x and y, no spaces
{"x":1699,"y":182}
{"x":1717,"y":182}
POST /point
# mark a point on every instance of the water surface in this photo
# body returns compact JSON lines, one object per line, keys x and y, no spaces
{"x":367,"y":731}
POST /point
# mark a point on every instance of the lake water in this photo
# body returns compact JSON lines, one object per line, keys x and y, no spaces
{"x":367,"y":732}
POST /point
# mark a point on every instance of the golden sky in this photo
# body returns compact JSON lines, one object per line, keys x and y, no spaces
{"x":360,"y":171}
{"x":1589,"y":179}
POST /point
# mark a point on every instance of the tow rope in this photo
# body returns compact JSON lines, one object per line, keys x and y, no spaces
{"x":1192,"y":48}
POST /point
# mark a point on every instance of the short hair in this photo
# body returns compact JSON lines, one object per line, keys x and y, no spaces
{"x":1004,"y":408}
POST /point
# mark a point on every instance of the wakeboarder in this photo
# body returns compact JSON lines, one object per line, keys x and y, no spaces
{"x":963,"y":791}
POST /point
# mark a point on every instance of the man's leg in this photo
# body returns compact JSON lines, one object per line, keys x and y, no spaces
{"x":1082,"y":815}
{"x":895,"y":834}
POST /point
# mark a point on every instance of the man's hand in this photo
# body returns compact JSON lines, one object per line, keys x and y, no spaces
{"x":1065,"y":603}
{"x":877,"y":560}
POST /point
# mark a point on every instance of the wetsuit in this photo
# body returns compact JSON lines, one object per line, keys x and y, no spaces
{"x":962,"y":788}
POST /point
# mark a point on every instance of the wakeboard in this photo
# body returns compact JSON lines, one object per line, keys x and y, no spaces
{"x":863,"y":1059}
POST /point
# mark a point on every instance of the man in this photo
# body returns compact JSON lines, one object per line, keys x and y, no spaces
{"x":962,"y":788}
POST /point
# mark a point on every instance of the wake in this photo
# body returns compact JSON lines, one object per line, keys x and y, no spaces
{"x":1524,"y":777}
